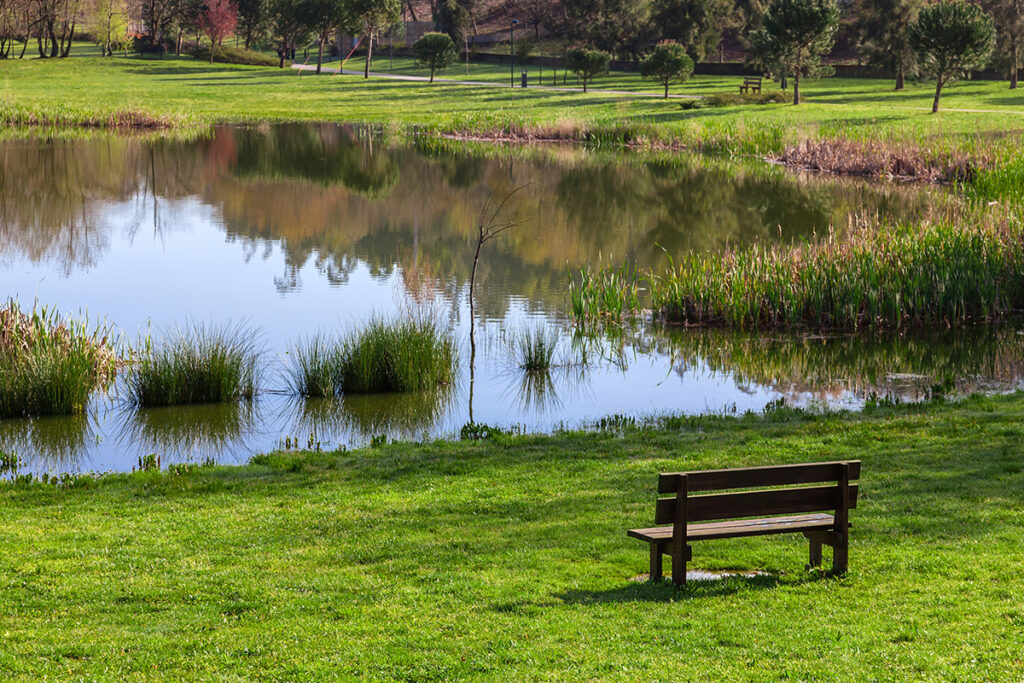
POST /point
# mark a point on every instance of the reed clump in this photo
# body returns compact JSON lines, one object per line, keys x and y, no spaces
{"x":396,"y":356}
{"x":931,"y":274}
{"x":313,"y":368}
{"x":195,"y":364}
{"x":607,"y":293}
{"x":51,"y":365}
{"x":535,"y":349}
{"x":886,"y":158}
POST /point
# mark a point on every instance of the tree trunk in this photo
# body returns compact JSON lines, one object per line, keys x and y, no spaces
{"x":369,"y":54}
{"x":1014,"y":64}
{"x":584,"y":84}
{"x":796,"y":87}
{"x":177,"y":45}
{"x":280,"y":56}
{"x":431,"y":74}
{"x":900,"y":75}
{"x":320,"y":55}
{"x":938,"y":93}
{"x":412,"y":12}
{"x":666,"y":89}
{"x":212,"y":45}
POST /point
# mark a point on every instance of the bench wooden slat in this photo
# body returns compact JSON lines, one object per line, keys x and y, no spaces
{"x":746,"y":477}
{"x":753,"y":503}
{"x":738,"y":528}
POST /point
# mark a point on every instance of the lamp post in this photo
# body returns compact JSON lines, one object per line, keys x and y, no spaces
{"x":512,"y":51}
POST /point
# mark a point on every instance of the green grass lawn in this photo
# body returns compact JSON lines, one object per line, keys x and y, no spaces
{"x":189,"y":90}
{"x":507,"y":559}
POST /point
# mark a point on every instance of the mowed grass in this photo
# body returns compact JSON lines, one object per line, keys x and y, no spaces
{"x":190,"y":91}
{"x":506,"y":559}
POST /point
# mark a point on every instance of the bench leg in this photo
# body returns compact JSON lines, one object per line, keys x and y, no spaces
{"x":679,"y":561}
{"x":841,"y":554}
{"x":656,"y":551}
{"x":815,"y":554}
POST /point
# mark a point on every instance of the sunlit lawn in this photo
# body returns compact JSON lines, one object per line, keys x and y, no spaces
{"x":508,"y":560}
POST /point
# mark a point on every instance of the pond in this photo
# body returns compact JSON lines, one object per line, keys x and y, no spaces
{"x":297,"y":229}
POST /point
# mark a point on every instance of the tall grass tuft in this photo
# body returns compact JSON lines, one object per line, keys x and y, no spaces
{"x":606,"y":292}
{"x":934,"y":273}
{"x":397,"y":356}
{"x":50,"y":365}
{"x":313,"y":368}
{"x":535,"y":349}
{"x":195,"y":364}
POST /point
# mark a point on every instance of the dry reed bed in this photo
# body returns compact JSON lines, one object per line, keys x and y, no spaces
{"x":889,"y":159}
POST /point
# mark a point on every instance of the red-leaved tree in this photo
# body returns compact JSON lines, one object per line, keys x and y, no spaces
{"x":218,"y":20}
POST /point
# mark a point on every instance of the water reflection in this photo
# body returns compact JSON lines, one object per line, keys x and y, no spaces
{"x":302,"y":229}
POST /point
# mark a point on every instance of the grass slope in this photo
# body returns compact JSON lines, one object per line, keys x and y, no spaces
{"x":507,"y":559}
{"x":189,"y":90}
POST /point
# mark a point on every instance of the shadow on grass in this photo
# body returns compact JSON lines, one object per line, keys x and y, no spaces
{"x":665,"y":591}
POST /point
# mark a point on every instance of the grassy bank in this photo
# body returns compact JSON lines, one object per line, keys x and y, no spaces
{"x":187,"y":91}
{"x":507,"y":558}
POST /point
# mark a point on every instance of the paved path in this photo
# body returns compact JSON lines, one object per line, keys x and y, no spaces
{"x":333,"y":71}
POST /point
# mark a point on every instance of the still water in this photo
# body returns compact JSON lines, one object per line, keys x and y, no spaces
{"x":299,"y":229}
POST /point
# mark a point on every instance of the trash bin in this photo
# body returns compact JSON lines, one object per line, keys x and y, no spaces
{"x":524,"y":79}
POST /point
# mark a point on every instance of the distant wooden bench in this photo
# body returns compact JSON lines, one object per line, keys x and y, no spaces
{"x":149,"y":50}
{"x":752,"y":85}
{"x":776,"y":510}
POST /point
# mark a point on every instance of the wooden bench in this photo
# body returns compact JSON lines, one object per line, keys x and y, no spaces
{"x":752,"y":85}
{"x":774,"y":510}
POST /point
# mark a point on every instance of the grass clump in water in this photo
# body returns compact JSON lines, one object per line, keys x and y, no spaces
{"x":605,"y":292}
{"x":920,"y":275}
{"x":313,"y":368}
{"x":396,"y":356}
{"x":197,"y":364}
{"x":535,"y":349}
{"x":49,"y":365}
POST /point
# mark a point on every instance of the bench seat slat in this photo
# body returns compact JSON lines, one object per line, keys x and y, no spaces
{"x":738,"y":528}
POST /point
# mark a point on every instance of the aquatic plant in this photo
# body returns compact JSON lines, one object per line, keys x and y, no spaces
{"x":396,"y":356}
{"x":313,"y":368}
{"x":934,"y":273}
{"x":535,"y":349}
{"x":605,"y":292}
{"x":51,"y":365}
{"x":194,"y":364}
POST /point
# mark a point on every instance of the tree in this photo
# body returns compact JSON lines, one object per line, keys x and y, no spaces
{"x":217,"y":21}
{"x":158,"y":18}
{"x":252,"y":20}
{"x":587,"y":63}
{"x":795,"y":35}
{"x":324,"y":17}
{"x":436,"y":51}
{"x":452,"y":17}
{"x":621,"y":26}
{"x":1008,"y":17}
{"x":376,"y":17}
{"x":288,"y":26}
{"x":536,"y":13}
{"x":667,"y":64}
{"x":883,"y":32}
{"x":110,"y":25}
{"x":695,"y":24}
{"x":951,"y":38}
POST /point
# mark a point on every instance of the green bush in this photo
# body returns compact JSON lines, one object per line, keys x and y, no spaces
{"x":235,"y":55}
{"x":726,"y":99}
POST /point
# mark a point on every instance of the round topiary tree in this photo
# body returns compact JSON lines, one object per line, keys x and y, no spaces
{"x":667,"y":64}
{"x":587,"y":63}
{"x":435,"y":51}
{"x":951,"y":38}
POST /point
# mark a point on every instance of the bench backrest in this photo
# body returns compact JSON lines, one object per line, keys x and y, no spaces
{"x":796,"y":498}
{"x":751,"y":79}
